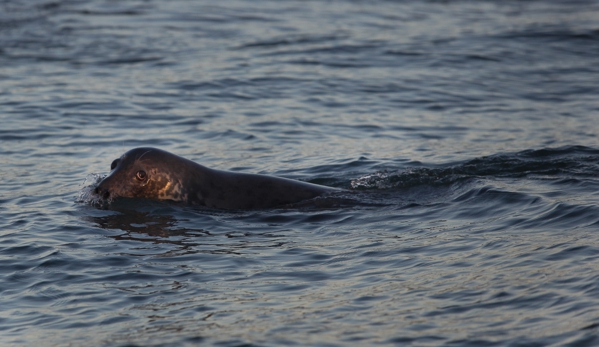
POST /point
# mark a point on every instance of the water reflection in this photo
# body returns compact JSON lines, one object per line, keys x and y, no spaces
{"x":170,"y":226}
{"x":160,"y":228}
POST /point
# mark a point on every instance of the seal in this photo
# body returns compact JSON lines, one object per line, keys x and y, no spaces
{"x":152,"y":173}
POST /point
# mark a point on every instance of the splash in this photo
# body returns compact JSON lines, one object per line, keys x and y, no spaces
{"x":405,"y":178}
{"x":377,"y":180}
{"x":87,"y":194}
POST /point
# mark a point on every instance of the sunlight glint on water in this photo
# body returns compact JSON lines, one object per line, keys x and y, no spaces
{"x":465,"y":134}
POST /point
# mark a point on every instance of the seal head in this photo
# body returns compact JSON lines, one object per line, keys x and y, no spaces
{"x":145,"y":173}
{"x":152,"y":173}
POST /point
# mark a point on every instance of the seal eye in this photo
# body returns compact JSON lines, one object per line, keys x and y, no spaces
{"x":141,"y":175}
{"x":114,"y":164}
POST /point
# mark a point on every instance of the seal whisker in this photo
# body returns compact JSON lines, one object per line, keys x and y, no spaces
{"x":139,"y":159}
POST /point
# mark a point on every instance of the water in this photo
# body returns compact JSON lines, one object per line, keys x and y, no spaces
{"x":465,"y":133}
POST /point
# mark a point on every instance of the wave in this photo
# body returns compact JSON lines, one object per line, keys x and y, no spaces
{"x":550,"y":163}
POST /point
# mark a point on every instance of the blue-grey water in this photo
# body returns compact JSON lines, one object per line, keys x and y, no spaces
{"x":466,"y":134}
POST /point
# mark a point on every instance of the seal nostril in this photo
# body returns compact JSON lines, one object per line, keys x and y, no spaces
{"x":102,"y":192}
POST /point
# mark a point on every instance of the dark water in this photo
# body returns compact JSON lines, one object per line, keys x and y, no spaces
{"x":465,"y":131}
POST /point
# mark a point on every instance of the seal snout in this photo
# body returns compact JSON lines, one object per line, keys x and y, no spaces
{"x":103,"y":192}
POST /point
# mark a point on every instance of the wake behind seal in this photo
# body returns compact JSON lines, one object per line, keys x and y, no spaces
{"x":152,"y":173}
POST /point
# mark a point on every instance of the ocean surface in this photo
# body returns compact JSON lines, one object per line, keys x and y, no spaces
{"x":465,"y":133}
